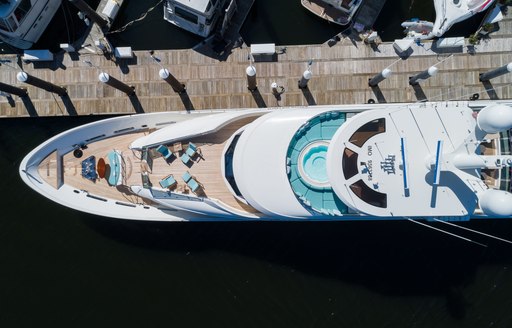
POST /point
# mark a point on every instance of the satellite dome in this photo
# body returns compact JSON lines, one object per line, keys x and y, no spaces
{"x":495,"y":118}
{"x":496,"y":203}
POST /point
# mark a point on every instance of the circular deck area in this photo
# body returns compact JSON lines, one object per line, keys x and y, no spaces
{"x":306,"y":164}
{"x":311,"y":164}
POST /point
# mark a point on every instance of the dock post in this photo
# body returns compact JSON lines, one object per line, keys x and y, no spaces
{"x":495,"y":72}
{"x":431,"y":71}
{"x":306,"y":76}
{"x":21,"y":92}
{"x":91,"y":13}
{"x":251,"y":78}
{"x":173,"y":82}
{"x":374,"y":81}
{"x":32,"y":80}
{"x":115,"y":83}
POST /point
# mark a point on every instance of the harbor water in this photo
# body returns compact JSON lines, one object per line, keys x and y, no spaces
{"x":62,"y":267}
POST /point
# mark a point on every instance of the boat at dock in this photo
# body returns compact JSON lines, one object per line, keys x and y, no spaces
{"x":442,"y":160}
{"x":334,"y":11}
{"x":418,"y":29}
{"x":22,"y":22}
{"x":449,"y":12}
{"x":197,"y":16}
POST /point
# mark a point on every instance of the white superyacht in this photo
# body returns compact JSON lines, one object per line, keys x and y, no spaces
{"x":447,"y":161}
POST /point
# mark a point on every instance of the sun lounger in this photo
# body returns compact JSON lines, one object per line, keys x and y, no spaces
{"x":166,"y":154}
{"x":168,"y":181}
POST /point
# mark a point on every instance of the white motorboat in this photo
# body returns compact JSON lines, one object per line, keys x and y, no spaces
{"x":418,"y":29}
{"x":23,"y":21}
{"x":446,"y":160}
{"x":449,"y":12}
{"x":196,"y":16}
{"x":338,"y":12}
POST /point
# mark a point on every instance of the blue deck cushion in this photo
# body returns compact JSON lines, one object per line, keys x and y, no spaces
{"x":168,"y":181}
{"x":329,"y":131}
{"x":192,"y":184}
{"x":299,"y":188}
{"x":315,"y":198}
{"x":191,"y":149}
{"x":89,"y":168}
{"x":164,"y":151}
{"x":294,"y":174}
{"x":314,"y":133}
{"x":114,"y":159}
{"x":186,"y":176}
{"x":185,"y":158}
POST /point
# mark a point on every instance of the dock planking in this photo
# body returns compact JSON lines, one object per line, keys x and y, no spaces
{"x":340,"y":76}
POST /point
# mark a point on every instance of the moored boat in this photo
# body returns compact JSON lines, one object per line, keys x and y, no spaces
{"x":449,"y":12}
{"x":23,"y":21}
{"x":418,"y":29}
{"x":196,"y":16}
{"x":448,"y":160}
{"x":339,"y":12}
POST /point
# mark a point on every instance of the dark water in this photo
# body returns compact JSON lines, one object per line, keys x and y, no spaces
{"x":59,"y":267}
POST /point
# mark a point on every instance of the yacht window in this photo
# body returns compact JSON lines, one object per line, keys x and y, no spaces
{"x":4,"y":26}
{"x":185,"y":15}
{"x":368,"y":195}
{"x":349,"y":163}
{"x":228,"y":166}
{"x":22,"y":9}
{"x":367,"y":131}
{"x":214,"y":2}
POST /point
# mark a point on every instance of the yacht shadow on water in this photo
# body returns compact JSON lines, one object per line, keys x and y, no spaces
{"x":396,"y":258}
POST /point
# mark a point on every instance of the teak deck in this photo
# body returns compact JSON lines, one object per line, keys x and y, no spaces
{"x":205,"y":169}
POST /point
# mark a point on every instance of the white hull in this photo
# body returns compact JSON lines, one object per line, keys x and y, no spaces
{"x":32,"y":26}
{"x":278,"y":202}
{"x":449,"y":12}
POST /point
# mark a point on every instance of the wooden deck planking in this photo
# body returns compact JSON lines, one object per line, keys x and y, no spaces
{"x":340,"y":75}
{"x":208,"y":174}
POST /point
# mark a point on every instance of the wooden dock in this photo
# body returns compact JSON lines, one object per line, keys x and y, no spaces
{"x":340,"y":76}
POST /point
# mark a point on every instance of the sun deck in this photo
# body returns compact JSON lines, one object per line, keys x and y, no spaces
{"x":204,"y":167}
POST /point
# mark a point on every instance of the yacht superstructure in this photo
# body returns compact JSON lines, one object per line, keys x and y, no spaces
{"x":339,"y":12}
{"x":23,"y":21}
{"x":447,"y":160}
{"x":196,"y":16}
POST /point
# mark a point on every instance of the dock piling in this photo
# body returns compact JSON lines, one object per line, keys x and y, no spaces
{"x":171,"y":80}
{"x":416,"y":79}
{"x":115,"y":83}
{"x":495,"y":72}
{"x":21,"y":92}
{"x":32,"y":80}
{"x":374,"y":81}
{"x":306,"y":76}
{"x":250,"y":71}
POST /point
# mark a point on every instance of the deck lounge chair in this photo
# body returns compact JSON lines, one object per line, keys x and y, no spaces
{"x":168,"y":181}
{"x":191,"y":182}
{"x":166,"y":154}
{"x":193,"y":185}
{"x":191,"y":151}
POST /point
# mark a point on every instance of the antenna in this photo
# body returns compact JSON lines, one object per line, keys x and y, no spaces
{"x":446,"y":232}
{"x":475,"y":231}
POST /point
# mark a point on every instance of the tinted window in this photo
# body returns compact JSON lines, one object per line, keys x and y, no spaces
{"x":368,"y":195}
{"x":186,"y":15}
{"x":349,"y":163}
{"x":367,"y":131}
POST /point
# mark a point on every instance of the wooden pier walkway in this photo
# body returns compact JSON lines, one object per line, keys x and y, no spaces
{"x":340,"y":76}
